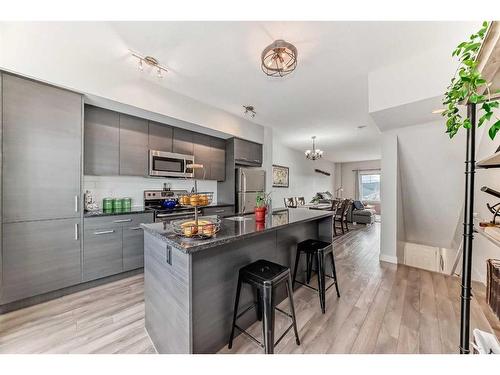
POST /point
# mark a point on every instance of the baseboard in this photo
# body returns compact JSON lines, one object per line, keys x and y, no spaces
{"x":388,"y":258}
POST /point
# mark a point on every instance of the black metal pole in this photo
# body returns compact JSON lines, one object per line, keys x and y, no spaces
{"x":466,"y":294}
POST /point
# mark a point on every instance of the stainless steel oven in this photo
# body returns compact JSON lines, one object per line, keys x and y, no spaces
{"x":170,"y":164}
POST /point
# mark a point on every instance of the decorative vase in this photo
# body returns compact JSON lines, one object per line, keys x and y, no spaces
{"x":260,"y":213}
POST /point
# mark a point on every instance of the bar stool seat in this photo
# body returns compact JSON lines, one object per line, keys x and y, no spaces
{"x":265,"y":276}
{"x":316,"y":249}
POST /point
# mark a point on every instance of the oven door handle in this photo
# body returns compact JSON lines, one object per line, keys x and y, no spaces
{"x":175,"y":215}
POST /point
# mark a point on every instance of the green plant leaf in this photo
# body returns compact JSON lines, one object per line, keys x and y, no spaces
{"x":467,"y":124}
{"x":494,"y":129}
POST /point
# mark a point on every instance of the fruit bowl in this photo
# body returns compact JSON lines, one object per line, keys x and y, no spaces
{"x":205,"y":227}
{"x":196,"y":199}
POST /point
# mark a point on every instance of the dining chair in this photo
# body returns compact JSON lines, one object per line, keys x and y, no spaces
{"x":290,"y":202}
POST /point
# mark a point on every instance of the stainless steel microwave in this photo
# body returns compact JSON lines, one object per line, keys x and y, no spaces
{"x":170,"y":164}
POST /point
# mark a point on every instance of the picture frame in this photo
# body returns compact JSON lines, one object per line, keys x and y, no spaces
{"x":281,"y":176}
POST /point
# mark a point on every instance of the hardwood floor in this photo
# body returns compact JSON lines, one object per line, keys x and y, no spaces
{"x":383,"y":308}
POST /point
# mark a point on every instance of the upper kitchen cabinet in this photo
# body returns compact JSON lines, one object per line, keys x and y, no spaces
{"x":160,"y":137}
{"x":133,"y":146}
{"x":202,"y":155}
{"x":102,"y":142}
{"x":247,"y":153}
{"x":183,"y":142}
{"x":42,"y":137}
{"x":218,"y":160}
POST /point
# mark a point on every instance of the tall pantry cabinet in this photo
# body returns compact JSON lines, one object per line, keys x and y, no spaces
{"x":41,"y":161}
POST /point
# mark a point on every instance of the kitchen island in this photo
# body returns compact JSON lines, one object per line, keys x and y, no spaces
{"x":190,"y":284}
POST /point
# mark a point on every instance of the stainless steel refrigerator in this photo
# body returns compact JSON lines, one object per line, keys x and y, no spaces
{"x":249,"y":183}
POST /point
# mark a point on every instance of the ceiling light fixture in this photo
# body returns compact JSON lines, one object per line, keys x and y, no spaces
{"x":250,"y":110}
{"x":151,"y":61}
{"x":279,"y":58}
{"x":315,"y":154}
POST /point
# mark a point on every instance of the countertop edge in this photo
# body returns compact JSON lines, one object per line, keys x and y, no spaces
{"x":221,"y":242}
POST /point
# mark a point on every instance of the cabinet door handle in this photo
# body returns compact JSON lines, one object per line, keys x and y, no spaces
{"x":76,"y":232}
{"x":219,"y":211}
{"x":76,"y":203}
{"x":135,"y":228}
{"x":123,"y":221}
{"x":104,"y":232}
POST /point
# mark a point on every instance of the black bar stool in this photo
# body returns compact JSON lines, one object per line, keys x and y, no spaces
{"x":265,"y":276}
{"x":315,"y":249}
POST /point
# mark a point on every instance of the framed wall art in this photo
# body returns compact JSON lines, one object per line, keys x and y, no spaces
{"x":281,"y":176}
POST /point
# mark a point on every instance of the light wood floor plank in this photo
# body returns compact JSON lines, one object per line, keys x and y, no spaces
{"x":383,"y":308}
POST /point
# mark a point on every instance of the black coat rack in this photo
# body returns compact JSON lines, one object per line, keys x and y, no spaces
{"x":468,"y":234}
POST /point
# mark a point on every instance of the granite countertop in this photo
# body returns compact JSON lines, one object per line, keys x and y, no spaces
{"x":234,"y":230}
{"x":133,"y":210}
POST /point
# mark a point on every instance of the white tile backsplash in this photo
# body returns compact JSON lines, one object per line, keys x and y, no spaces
{"x":133,"y":187}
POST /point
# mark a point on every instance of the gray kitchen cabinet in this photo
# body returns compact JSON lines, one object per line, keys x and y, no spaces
{"x":133,"y":248}
{"x":183,"y":142}
{"x":255,"y":155}
{"x":160,"y":137}
{"x":101,"y":142}
{"x":247,"y":153}
{"x":42,"y":130}
{"x":112,"y":244}
{"x":39,"y":257}
{"x":133,"y":148}
{"x":218,"y":159}
{"x":202,"y":152}
{"x":102,"y":252}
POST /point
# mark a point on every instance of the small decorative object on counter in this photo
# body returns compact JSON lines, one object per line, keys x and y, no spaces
{"x":89,"y":201}
{"x":261,"y":202}
{"x":127,"y":204}
{"x":117,"y":204}
{"x":107,"y":204}
{"x":203,"y":227}
{"x":196,"y":199}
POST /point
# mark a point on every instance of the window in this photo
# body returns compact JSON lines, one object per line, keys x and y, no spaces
{"x":369,"y":186}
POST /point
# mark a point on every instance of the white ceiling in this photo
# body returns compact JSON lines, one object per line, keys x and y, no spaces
{"x":327,"y":96}
{"x":218,"y":63}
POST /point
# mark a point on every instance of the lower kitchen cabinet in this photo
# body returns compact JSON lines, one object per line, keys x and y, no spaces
{"x":39,"y":257}
{"x":113,"y":244}
{"x":102,"y":252}
{"x":133,"y":248}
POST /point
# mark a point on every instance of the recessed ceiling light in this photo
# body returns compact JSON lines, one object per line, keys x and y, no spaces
{"x":438,"y":111}
{"x":361,"y":126}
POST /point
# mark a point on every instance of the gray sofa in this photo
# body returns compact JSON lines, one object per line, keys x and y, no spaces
{"x":363,"y":216}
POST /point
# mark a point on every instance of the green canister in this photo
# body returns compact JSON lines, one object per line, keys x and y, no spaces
{"x":107,"y":204}
{"x":127,"y":204}
{"x":117,"y":204}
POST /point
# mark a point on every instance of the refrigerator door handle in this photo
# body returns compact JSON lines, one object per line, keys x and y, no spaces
{"x":244,"y":191}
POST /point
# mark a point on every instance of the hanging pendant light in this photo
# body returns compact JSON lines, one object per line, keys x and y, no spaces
{"x":315,"y":153}
{"x":279,"y":58}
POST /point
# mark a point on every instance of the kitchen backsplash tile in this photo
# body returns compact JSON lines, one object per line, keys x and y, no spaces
{"x":133,"y":187}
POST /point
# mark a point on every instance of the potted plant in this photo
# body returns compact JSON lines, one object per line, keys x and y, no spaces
{"x":468,"y":86}
{"x":261,"y":203}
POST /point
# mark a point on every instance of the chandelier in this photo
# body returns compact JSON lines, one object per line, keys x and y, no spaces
{"x":279,"y":58}
{"x":315,"y":154}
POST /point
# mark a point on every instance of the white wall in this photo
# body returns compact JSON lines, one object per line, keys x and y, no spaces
{"x":133,"y":187}
{"x":389,"y":249}
{"x":304,"y":181}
